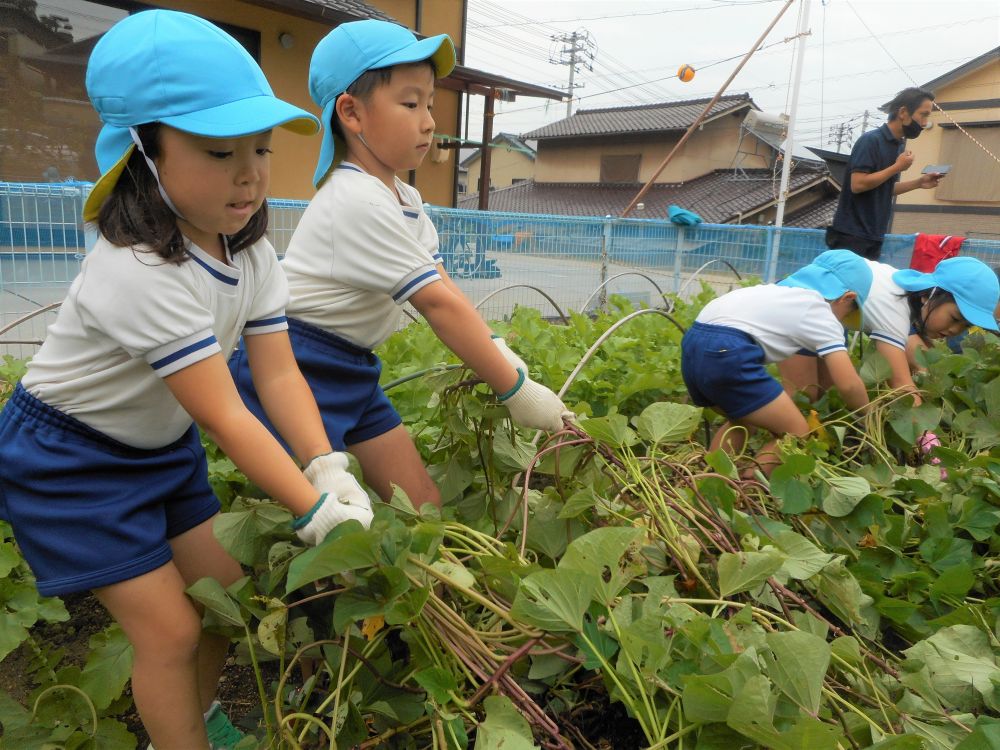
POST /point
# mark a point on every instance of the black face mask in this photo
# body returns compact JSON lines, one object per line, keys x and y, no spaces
{"x":912,"y":130}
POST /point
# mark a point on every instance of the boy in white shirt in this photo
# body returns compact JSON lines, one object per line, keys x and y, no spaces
{"x":724,"y":353}
{"x":364,"y":246}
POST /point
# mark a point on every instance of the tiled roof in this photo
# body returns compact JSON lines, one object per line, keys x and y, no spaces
{"x":819,"y":215}
{"x":646,"y":118}
{"x":719,"y":197}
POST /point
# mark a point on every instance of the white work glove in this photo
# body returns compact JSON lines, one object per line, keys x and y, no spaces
{"x":341,"y":499}
{"x":533,"y":405}
{"x":515,"y":361}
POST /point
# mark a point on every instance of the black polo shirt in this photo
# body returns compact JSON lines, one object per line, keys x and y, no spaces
{"x":868,"y":214}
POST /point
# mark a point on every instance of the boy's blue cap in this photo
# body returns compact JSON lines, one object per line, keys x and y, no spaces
{"x":181,"y":70}
{"x":972,"y":283}
{"x":833,"y":273}
{"x":353,"y":48}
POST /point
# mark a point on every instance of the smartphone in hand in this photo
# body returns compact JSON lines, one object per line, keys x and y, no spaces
{"x":936,"y":169}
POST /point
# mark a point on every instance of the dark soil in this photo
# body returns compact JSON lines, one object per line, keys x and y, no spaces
{"x":237,"y":688}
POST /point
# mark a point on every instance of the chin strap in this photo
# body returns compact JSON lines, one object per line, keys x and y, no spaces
{"x":156,"y":174}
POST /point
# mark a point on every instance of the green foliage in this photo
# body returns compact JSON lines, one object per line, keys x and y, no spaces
{"x":852,"y":602}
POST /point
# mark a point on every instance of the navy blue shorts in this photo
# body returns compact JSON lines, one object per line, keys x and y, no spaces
{"x":344,"y":381}
{"x":724,"y":367}
{"x":89,"y":511}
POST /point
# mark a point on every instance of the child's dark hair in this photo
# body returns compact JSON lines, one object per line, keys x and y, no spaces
{"x":911,"y":98}
{"x":932,"y":298}
{"x":367,"y":82}
{"x":136,"y":214}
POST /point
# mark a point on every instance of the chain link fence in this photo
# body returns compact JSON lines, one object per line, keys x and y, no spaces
{"x":499,"y":260}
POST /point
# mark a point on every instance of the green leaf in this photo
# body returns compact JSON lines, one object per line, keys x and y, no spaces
{"x":437,"y":682}
{"x":245,"y":534}
{"x":722,"y":463}
{"x":847,"y":648}
{"x":610,"y":555}
{"x":108,"y":666}
{"x":666,"y":422}
{"x":804,"y":559}
{"x":900,"y":742}
{"x":985,"y":736}
{"x":842,"y":494}
{"x":796,"y":495}
{"x":961,"y":665}
{"x":911,"y":422}
{"x":797,"y":664}
{"x":347,"y":547}
{"x":271,"y":631}
{"x":742,"y":571}
{"x":554,"y":600}
{"x":504,"y":728}
{"x":612,"y":429}
{"x":210,"y":594}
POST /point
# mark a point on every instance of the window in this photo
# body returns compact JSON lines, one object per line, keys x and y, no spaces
{"x":515,"y":180}
{"x":973,"y":176}
{"x":47,"y":125}
{"x":620,"y":168}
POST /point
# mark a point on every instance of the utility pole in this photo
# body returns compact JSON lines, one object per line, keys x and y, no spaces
{"x":864,"y":122}
{"x":578,"y":49}
{"x":840,"y":134}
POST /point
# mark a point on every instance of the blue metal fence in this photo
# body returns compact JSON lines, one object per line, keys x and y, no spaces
{"x":499,"y":259}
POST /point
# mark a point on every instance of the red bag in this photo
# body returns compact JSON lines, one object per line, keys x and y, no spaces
{"x":931,"y":249}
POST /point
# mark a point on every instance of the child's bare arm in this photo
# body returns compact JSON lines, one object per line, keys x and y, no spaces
{"x":285,"y":395}
{"x":457,"y":323}
{"x":846,"y":379}
{"x":207,"y":392}
{"x":900,"y":367}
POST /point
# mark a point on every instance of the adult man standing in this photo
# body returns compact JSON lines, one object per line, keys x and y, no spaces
{"x":877,"y":159}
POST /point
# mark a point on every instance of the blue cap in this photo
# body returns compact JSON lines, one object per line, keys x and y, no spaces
{"x":972,"y":283}
{"x":181,"y":70}
{"x":833,"y":273}
{"x":353,"y":48}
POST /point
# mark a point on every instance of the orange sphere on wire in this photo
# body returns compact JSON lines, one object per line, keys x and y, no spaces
{"x":685,"y":73}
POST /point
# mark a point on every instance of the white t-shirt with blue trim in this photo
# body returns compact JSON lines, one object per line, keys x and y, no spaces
{"x":130,"y":319}
{"x":358,"y":254}
{"x":782,"y":319}
{"x":886,"y":315}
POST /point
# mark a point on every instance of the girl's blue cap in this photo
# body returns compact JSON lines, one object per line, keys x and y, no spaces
{"x":353,"y":48}
{"x":833,"y":273}
{"x":972,"y":283}
{"x":181,"y":70}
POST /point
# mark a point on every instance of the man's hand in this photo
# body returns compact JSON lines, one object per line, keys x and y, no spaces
{"x":930,"y":180}
{"x":904,"y":161}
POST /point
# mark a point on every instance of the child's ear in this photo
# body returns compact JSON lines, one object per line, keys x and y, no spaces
{"x":346,"y":110}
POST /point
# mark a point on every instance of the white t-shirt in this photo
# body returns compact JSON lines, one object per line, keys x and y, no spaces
{"x":131,"y":318}
{"x":781,"y":319}
{"x":886,"y":316}
{"x":358,"y":254}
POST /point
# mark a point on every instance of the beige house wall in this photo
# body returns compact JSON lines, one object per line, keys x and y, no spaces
{"x":506,"y":165}
{"x":287,"y":70}
{"x":712,"y":146}
{"x":980,"y":84}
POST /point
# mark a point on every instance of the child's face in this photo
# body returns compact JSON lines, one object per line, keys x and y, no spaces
{"x":217,"y":184}
{"x":944,"y":321}
{"x":396,"y":119}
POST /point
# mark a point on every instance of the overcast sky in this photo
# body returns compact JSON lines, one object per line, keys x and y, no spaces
{"x":858,"y":54}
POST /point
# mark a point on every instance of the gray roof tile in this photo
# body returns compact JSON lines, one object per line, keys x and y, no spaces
{"x":719,"y":197}
{"x":646,"y":118}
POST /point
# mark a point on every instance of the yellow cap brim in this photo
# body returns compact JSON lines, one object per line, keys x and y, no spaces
{"x":103,"y":187}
